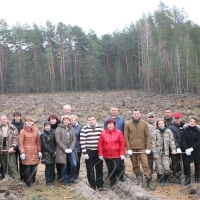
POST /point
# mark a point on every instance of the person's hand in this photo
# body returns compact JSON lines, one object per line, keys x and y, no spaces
{"x":66,"y":150}
{"x":11,"y":150}
{"x":190,"y":149}
{"x":101,"y":157}
{"x":40,"y":154}
{"x":86,"y":157}
{"x":129,"y":152}
{"x":148,"y":151}
{"x":122,"y":157}
{"x":188,"y":153}
{"x":156,"y":157}
{"x":178,"y":150}
{"x":174,"y":152}
{"x":22,"y":156}
{"x":69,"y":150}
{"x":54,"y":154}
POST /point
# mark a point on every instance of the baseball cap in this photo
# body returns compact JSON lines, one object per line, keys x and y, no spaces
{"x":177,"y":114}
{"x":151,"y":114}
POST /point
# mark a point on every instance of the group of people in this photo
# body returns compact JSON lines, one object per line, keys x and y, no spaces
{"x":164,"y":142}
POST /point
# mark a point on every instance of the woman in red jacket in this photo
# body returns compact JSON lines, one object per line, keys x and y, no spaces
{"x":111,"y":147}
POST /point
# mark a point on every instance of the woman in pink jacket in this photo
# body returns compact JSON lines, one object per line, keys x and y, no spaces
{"x":111,"y":147}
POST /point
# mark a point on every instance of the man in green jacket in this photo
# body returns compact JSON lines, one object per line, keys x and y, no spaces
{"x":138,"y":140}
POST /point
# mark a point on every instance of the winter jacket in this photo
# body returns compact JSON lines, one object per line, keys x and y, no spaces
{"x":61,"y":140}
{"x":177,"y":133}
{"x":137,"y":135}
{"x":111,"y":144}
{"x":191,"y":139}
{"x":11,"y":138}
{"x":29,"y":142}
{"x":48,"y":147}
{"x":161,"y":141}
{"x":77,"y":130}
{"x":120,"y":123}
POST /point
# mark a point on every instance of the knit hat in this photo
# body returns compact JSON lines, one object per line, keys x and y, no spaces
{"x":47,"y":123}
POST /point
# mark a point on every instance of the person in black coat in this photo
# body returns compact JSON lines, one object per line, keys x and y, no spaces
{"x":48,"y":153}
{"x":191,"y":145}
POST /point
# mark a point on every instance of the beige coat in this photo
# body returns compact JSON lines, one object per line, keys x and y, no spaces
{"x":61,"y":140}
{"x":12,"y":137}
{"x":29,"y":141}
{"x":137,"y":135}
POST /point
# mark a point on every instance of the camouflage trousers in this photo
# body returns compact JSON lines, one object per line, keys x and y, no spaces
{"x":162,"y":164}
{"x":176,"y":165}
{"x":12,"y":167}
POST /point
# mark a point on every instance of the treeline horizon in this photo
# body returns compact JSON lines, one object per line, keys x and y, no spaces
{"x":159,"y":53}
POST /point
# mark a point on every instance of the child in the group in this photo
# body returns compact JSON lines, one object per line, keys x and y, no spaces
{"x":48,"y":153}
{"x":162,"y":140}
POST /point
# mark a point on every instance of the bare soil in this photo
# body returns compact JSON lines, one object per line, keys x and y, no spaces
{"x":40,"y":106}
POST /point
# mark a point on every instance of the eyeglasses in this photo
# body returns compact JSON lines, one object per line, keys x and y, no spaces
{"x":151,"y":116}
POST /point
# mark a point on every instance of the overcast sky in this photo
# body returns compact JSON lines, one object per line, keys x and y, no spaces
{"x":102,"y":16}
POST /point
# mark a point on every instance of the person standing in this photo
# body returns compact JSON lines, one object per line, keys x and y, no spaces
{"x":89,"y":138}
{"x":30,"y":150}
{"x":48,"y":153}
{"x":8,"y":144}
{"x":66,"y":140}
{"x":162,"y":139}
{"x":77,"y":130}
{"x":120,"y":124}
{"x":111,"y":147}
{"x":152,"y":125}
{"x":18,"y":123}
{"x":53,"y":119}
{"x":191,"y":145}
{"x":176,"y":128}
{"x":138,"y":140}
{"x":168,"y":116}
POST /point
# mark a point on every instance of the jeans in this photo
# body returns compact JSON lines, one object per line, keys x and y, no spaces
{"x":91,"y":163}
{"x":78,"y":165}
{"x":30,"y":173}
{"x":73,"y":164}
{"x":49,"y":173}
{"x":114,"y":168}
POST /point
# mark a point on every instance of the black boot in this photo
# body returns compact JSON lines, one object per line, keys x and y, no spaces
{"x":196,"y":180}
{"x":167,"y":179}
{"x":162,"y":180}
{"x":159,"y":177}
{"x":149,"y":185}
{"x":187,"y":180}
{"x":139,"y":179}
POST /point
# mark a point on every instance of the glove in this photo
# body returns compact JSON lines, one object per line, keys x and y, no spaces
{"x":188,"y":153}
{"x":69,"y":150}
{"x":22,"y":156}
{"x":66,"y":150}
{"x":40,"y":154}
{"x":101,"y":157}
{"x":148,"y":151}
{"x":122,"y":157}
{"x":86,"y":157}
{"x":178,"y":150}
{"x":129,"y":152}
{"x":190,"y":149}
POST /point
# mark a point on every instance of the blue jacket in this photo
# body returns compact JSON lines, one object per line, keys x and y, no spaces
{"x":120,"y":123}
{"x":77,"y":130}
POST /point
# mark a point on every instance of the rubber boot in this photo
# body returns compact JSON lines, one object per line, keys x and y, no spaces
{"x":187,"y":180}
{"x":159,"y":177}
{"x":149,"y":185}
{"x":162,"y":180}
{"x":167,"y":179}
{"x":139,"y":179}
